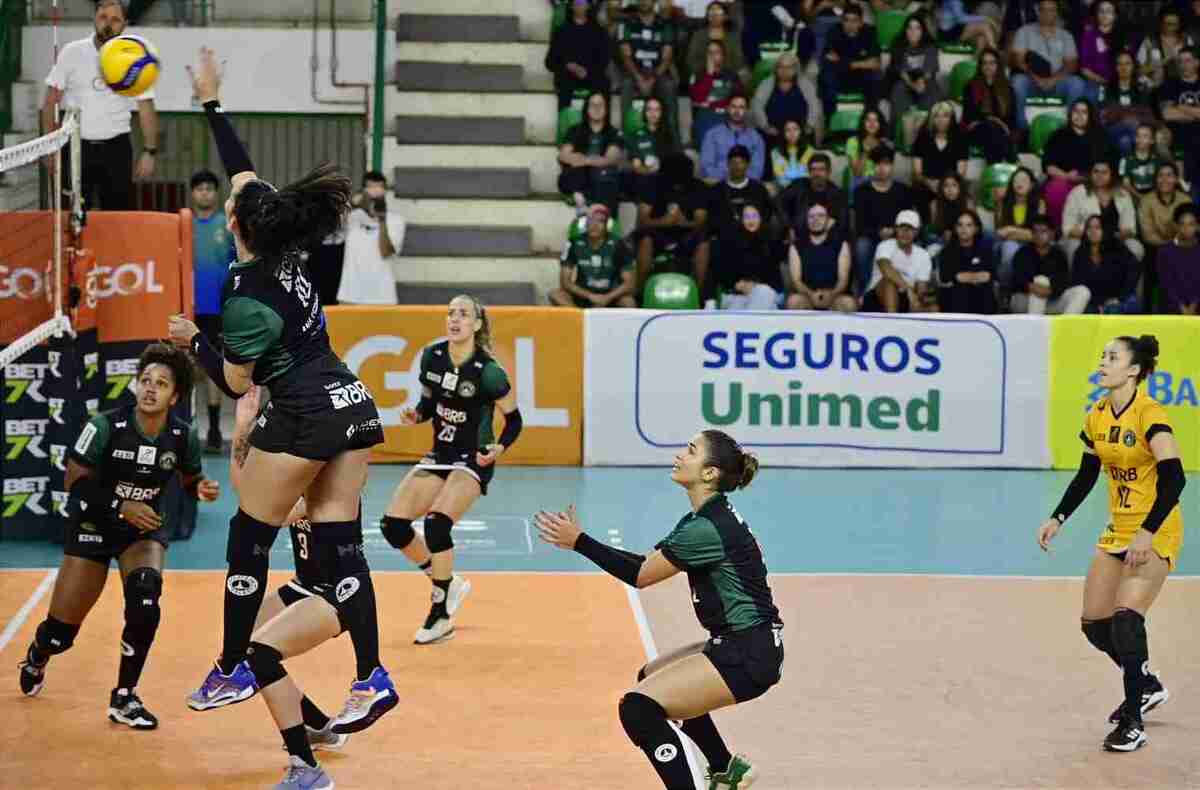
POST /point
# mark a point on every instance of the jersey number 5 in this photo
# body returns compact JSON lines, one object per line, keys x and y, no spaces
{"x":446,"y":434}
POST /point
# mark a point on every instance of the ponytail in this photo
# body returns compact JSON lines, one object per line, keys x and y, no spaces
{"x":483,"y":336}
{"x":275,"y":224}
{"x":1144,"y":351}
{"x":735,"y":467}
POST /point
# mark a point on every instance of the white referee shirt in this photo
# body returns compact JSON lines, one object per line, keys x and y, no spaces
{"x":103,"y":113}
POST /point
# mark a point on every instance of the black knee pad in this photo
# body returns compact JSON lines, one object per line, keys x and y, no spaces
{"x":1099,"y":633}
{"x":266,"y":663}
{"x":1129,"y":633}
{"x":55,"y":636}
{"x":398,"y":531}
{"x":437,"y":532}
{"x":641,"y":717}
{"x":143,"y":588}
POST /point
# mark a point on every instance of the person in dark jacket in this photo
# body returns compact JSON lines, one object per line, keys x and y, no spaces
{"x":579,"y":55}
{"x":747,"y":269}
{"x":967,"y":269}
{"x":1107,"y":268}
{"x":1042,"y":278}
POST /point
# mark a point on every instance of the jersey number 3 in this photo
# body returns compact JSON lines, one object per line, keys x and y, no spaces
{"x":302,"y":550}
{"x":446,"y":434}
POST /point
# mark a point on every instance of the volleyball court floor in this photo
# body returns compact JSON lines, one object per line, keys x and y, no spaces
{"x":929,"y":642}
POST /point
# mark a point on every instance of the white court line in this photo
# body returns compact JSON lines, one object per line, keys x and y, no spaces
{"x":23,"y":613}
{"x":643,"y":624}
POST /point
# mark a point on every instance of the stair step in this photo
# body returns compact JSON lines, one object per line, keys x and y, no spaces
{"x":540,"y":110}
{"x":489,"y":293}
{"x":529,"y":55}
{"x":458,"y":28}
{"x":449,"y":130}
{"x":547,"y":216}
{"x":466,"y":272}
{"x":415,"y":75}
{"x":467,"y":240}
{"x":467,"y":182}
{"x":540,"y":160}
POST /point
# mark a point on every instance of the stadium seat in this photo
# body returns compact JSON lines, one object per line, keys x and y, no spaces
{"x":842,"y":125}
{"x":997,"y":175}
{"x":769,"y":52}
{"x":888,"y":25}
{"x":568,"y":117}
{"x":632,"y":122}
{"x":670,"y":291}
{"x":1042,"y":127}
{"x":851,"y":101}
{"x":578,"y":228}
{"x":1041,"y":105}
{"x":906,"y":130}
{"x":960,"y":75}
{"x":558,"y":17}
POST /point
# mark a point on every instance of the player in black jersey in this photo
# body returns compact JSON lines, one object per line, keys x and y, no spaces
{"x":313,"y":440}
{"x":743,"y":656}
{"x":461,"y":385}
{"x":116,"y":473}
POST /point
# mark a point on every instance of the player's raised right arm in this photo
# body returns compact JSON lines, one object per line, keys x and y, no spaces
{"x":206,"y":84}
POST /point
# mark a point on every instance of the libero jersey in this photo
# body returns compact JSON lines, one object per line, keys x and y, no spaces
{"x":724,"y":566}
{"x":465,"y":396}
{"x":1122,"y":441}
{"x":133,"y":465}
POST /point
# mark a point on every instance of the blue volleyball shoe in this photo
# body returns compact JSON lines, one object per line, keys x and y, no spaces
{"x":369,"y":699}
{"x":219,"y":690}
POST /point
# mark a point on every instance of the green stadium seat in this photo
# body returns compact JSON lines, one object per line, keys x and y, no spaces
{"x":578,"y":228}
{"x":568,"y":117}
{"x":769,"y":52}
{"x":906,"y":130}
{"x":1042,"y":127}
{"x":960,"y":75}
{"x":842,"y":125}
{"x":956,"y":48}
{"x":889,"y":25}
{"x":632,"y":123}
{"x":996,"y":175}
{"x":558,"y":17}
{"x":669,"y":291}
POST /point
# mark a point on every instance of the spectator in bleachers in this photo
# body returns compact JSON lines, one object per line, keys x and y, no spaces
{"x":597,"y":270}
{"x":647,"y":61}
{"x":911,"y":77}
{"x":648,"y":149}
{"x":781,"y":97}
{"x":1042,"y":277}
{"x":801,"y":195}
{"x":819,"y":265}
{"x":710,"y":90}
{"x":823,"y":16}
{"x":1018,"y":14}
{"x":1070,"y":153}
{"x":1044,"y":60}
{"x":875,"y":204}
{"x":718,"y":27}
{"x":1106,"y":267}
{"x":673,"y":222}
{"x":1102,"y":38}
{"x":955,"y":24}
{"x":872,"y":134}
{"x":724,"y":209}
{"x":723,"y":138}
{"x":1158,"y":56}
{"x":1179,"y":265}
{"x":902,"y":272}
{"x":373,"y":237}
{"x":1180,"y":99}
{"x":747,"y":267}
{"x":990,"y":110}
{"x":590,"y":158}
{"x":1139,"y":168}
{"x":851,"y":63}
{"x":1126,"y":106}
{"x":1014,"y":220}
{"x":790,"y":156}
{"x":1101,"y":195}
{"x":939,"y":151}
{"x":967,"y":269}
{"x":579,"y":54}
{"x":775,"y":21}
{"x":944,"y":208}
{"x":1156,"y":218}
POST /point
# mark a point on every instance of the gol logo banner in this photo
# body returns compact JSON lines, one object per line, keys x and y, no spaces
{"x":541,"y":349}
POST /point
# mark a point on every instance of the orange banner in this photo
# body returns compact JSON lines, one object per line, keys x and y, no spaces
{"x":26,"y":265}
{"x":540,"y":348}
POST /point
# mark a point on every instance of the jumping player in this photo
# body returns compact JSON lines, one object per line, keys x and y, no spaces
{"x":313,"y":439}
{"x":461,"y":384}
{"x":743,"y":656}
{"x":116,"y":473}
{"x":1128,"y":433}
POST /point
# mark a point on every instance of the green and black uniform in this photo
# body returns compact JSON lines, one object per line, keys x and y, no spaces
{"x":465,"y":405}
{"x":728,"y":579}
{"x":318,"y":408}
{"x":597,"y":270}
{"x":646,"y":41}
{"x":132,"y":466}
{"x":328,"y":564}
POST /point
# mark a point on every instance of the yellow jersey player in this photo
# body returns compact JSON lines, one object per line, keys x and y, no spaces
{"x":1128,"y":433}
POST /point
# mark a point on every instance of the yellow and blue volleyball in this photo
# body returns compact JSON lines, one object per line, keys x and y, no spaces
{"x":129,"y":65}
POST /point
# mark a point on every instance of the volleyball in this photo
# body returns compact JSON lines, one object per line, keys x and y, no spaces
{"x":129,"y":65}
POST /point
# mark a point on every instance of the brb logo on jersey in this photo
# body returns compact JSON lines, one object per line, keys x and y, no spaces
{"x":24,"y":437}
{"x":25,"y":493}
{"x":344,"y":396}
{"x":136,"y":493}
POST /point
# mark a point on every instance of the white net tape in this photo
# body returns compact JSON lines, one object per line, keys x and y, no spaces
{"x":55,"y":327}
{"x":30,"y":152}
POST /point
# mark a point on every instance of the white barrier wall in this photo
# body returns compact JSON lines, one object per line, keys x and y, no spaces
{"x":810,"y":389}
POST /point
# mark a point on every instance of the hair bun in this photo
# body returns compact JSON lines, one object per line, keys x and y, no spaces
{"x":1148,"y":344}
{"x":749,"y":469}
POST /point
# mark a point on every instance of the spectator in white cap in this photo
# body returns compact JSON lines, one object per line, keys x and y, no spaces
{"x":902,"y":279}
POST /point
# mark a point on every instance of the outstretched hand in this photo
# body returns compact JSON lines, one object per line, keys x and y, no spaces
{"x":558,"y":529}
{"x":206,"y":77}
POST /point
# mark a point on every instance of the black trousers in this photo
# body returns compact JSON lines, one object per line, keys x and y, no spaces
{"x":107,"y":173}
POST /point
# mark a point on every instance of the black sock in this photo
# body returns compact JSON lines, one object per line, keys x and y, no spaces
{"x":133,"y":659}
{"x":645,"y":723}
{"x":703,"y":732}
{"x":439,"y":600}
{"x":248,"y":555}
{"x":214,"y":419}
{"x":313,"y":717}
{"x":364,"y":631}
{"x":427,"y":567}
{"x":1129,"y":639}
{"x":296,"y":741}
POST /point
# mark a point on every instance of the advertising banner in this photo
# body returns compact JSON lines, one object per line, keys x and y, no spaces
{"x":540,"y":348}
{"x":1075,"y":346}
{"x":806,"y":389}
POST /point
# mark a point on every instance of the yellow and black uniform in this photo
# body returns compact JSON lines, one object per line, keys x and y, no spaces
{"x":1122,"y":443}
{"x":318,"y":408}
{"x":597,"y":269}
{"x":130,"y":466}
{"x":464,"y":409}
{"x":728,"y":579}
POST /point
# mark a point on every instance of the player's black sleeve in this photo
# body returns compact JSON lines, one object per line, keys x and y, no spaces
{"x":1080,"y":487}
{"x":1166,"y":493}
{"x":624,"y":565}
{"x":233,"y":153}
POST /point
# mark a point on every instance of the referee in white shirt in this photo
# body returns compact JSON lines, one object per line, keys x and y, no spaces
{"x":75,"y":82}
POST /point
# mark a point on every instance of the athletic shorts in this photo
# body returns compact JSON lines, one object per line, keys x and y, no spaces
{"x":105,"y":542}
{"x":318,"y":438}
{"x":443,"y":462}
{"x":336,"y":595}
{"x":749,"y":661}
{"x":210,"y":327}
{"x":1168,"y":540}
